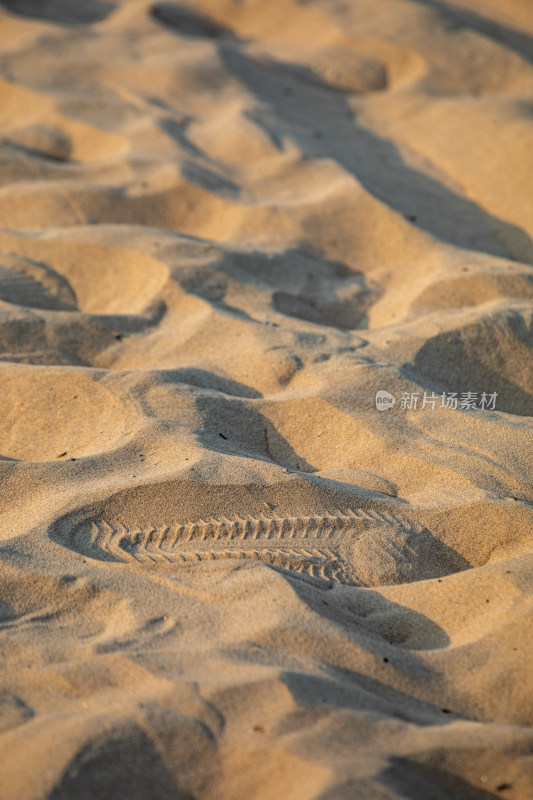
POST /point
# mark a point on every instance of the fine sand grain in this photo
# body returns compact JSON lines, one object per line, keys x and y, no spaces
{"x":226,"y":227}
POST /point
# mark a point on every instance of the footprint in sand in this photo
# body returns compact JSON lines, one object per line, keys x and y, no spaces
{"x":26,"y":282}
{"x":362,"y":548}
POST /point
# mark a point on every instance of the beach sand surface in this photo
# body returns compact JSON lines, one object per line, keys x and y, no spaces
{"x":225,"y":573}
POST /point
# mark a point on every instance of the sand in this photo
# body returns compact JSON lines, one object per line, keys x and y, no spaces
{"x":225,"y":227}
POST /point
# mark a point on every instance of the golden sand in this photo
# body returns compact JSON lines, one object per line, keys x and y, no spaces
{"x":225,"y":573}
